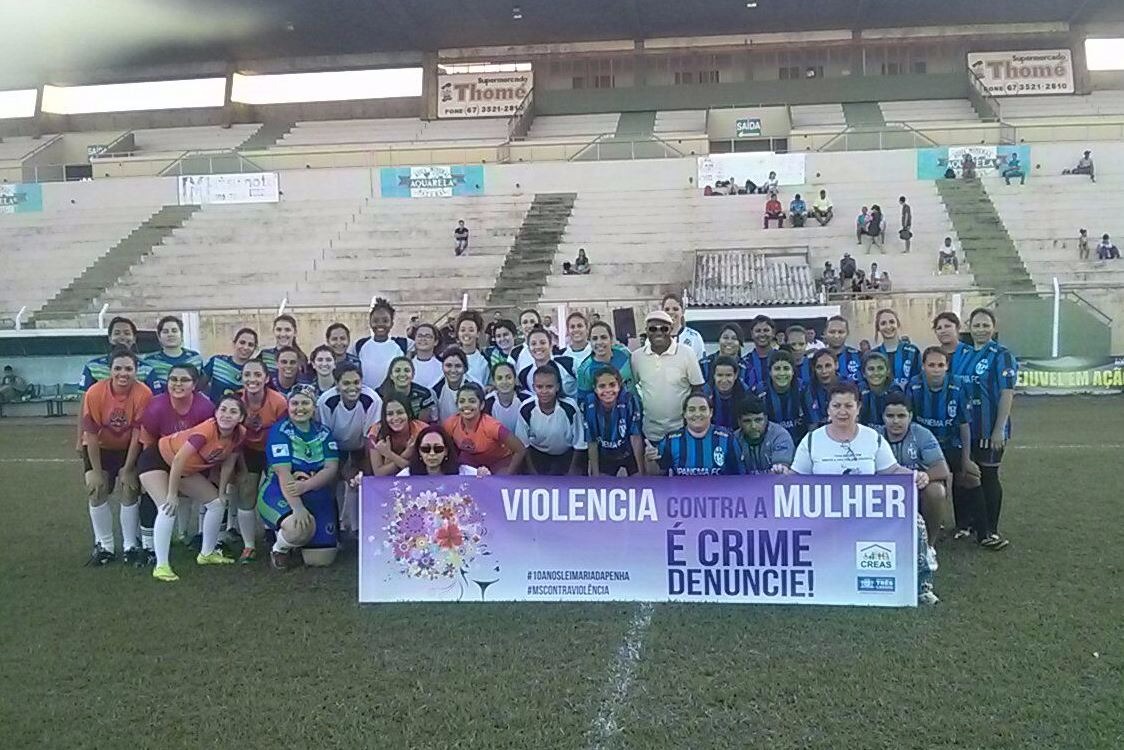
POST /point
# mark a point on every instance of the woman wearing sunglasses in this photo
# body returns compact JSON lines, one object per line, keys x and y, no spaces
{"x":436,"y":455}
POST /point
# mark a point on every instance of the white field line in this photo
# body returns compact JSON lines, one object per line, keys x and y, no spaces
{"x":606,"y":724}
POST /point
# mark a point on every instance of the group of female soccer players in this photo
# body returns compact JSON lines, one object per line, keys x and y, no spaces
{"x":274,"y":437}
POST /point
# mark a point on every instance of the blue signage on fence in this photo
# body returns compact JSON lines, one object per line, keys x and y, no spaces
{"x":932,"y":163}
{"x":21,"y":199}
{"x":431,"y":181}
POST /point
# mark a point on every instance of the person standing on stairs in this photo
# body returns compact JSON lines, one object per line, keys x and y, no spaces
{"x":460,"y":235}
{"x":906,"y":232}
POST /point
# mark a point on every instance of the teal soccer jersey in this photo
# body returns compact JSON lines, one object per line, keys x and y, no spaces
{"x":224,"y":376}
{"x":306,"y":452}
{"x":161,"y":365}
{"x":97,"y":370}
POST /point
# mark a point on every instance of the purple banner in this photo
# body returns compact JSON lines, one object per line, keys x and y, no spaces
{"x":756,"y":539}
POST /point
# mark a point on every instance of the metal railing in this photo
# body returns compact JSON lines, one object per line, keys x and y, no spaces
{"x":224,"y":156}
{"x":892,"y":135}
{"x":608,"y":146}
{"x":987,"y":103}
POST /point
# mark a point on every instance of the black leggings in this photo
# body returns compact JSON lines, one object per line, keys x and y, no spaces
{"x":147,"y":513}
{"x":992,"y":497}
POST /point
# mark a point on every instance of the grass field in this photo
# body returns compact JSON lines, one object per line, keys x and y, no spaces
{"x":1026,"y":649}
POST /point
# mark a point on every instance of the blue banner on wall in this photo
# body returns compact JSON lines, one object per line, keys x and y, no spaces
{"x":21,"y":199}
{"x":990,"y":160}
{"x":431,"y":181}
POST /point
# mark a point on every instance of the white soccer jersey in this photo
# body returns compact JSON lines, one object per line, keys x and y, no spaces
{"x":349,"y":425}
{"x":428,"y":372}
{"x":553,"y":433}
{"x":508,"y":416}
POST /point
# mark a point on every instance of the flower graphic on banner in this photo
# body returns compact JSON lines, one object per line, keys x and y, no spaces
{"x":433,"y":534}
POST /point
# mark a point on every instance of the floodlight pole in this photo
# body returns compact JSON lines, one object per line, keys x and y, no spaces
{"x":101,"y":315}
{"x":19,"y":316}
{"x":1057,"y":317}
{"x":282,"y":306}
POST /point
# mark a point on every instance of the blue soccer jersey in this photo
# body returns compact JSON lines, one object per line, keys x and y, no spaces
{"x":757,"y":369}
{"x":723,"y":406}
{"x":161,"y":364}
{"x":941,"y":411}
{"x":612,"y":429}
{"x":706,"y":364}
{"x":993,"y":369}
{"x":300,"y":451}
{"x":872,"y":404}
{"x":717,"y":452}
{"x":905,"y":363}
{"x":804,"y":374}
{"x":224,"y":376}
{"x":850,"y":365}
{"x":960,"y":364}
{"x":98,"y":369}
{"x":787,"y":410}
{"x":815,"y":406}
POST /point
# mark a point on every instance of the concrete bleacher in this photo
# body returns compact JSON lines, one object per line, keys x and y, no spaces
{"x":325,"y":253}
{"x":1091,"y":105}
{"x":197,"y":138}
{"x":1043,"y":218}
{"x":573,"y":126}
{"x":71,"y":240}
{"x":932,"y":110}
{"x":640,"y":243}
{"x":818,"y":117}
{"x":678,"y":122}
{"x":393,"y":130}
{"x":15,"y":148}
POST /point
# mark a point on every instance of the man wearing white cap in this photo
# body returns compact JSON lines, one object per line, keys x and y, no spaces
{"x":666,"y":373}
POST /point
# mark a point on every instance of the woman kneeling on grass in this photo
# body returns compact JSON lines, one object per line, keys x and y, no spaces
{"x":180,"y":463}
{"x":298,"y":493}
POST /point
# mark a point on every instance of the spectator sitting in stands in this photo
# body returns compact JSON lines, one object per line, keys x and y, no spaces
{"x":968,"y":167}
{"x":733,"y":186}
{"x":947,"y":258}
{"x":567,"y":268}
{"x":876,"y":227}
{"x":1014,"y":169}
{"x":774,"y":210}
{"x":860,"y":224}
{"x":884,"y":284}
{"x":708,"y":190}
{"x":1084,"y":166}
{"x":13,"y":387}
{"x":581,"y":265}
{"x":822,"y":210}
{"x":873,"y":272}
{"x":750,"y":187}
{"x":950,"y":173}
{"x":829,"y":280}
{"x":798,"y":211}
{"x":1083,"y":245}
{"x":771,"y":186}
{"x":460,"y":234}
{"x":847,"y":268}
{"x":1106,"y":250}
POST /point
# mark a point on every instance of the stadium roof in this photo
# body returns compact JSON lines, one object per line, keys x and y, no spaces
{"x":76,"y":34}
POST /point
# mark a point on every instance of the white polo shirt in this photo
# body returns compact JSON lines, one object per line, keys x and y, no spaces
{"x":664,"y":381}
{"x":555,"y":433}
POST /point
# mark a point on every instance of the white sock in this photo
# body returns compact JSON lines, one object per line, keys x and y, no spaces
{"x":211,"y":525}
{"x":162,"y":533}
{"x":130,"y":525}
{"x":248,"y":527}
{"x":101,"y":518}
{"x":350,"y":511}
{"x":147,"y":542}
{"x":282,"y":545}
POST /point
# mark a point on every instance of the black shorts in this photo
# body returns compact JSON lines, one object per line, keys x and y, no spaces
{"x":111,"y":464}
{"x":547,"y":464}
{"x":984,"y":455}
{"x":151,"y":459}
{"x":610,"y":464}
{"x":952,"y":458}
{"x":255,"y":460}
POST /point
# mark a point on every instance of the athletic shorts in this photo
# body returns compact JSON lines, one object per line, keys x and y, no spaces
{"x":610,"y":464}
{"x":111,"y":463}
{"x":547,"y":464}
{"x":952,"y":458}
{"x":151,"y":459}
{"x":255,"y":460}
{"x":321,"y":503}
{"x":984,"y":455}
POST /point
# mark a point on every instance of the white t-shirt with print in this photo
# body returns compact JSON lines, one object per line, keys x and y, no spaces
{"x":868,"y":453}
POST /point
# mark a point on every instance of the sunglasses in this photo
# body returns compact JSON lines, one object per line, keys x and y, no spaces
{"x":431,"y":449}
{"x":659,"y":329}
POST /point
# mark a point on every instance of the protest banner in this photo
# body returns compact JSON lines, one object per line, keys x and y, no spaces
{"x":738,"y":539}
{"x":1067,"y":376}
{"x":431,"y":181}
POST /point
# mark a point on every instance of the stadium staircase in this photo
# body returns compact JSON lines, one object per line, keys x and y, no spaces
{"x":636,"y":125}
{"x":987,"y":246}
{"x":525,"y":271}
{"x":862,"y":114}
{"x":81,"y":294}
{"x":266,"y":136}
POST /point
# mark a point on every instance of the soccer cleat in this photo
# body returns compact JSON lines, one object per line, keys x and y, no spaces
{"x":249,"y":555}
{"x":196,"y":542}
{"x":164,"y":573}
{"x":995,"y":542}
{"x":962,"y":534}
{"x":148,"y":560}
{"x":133,"y":556}
{"x":215,"y":558}
{"x":280,"y":560}
{"x":927,"y":597}
{"x":100,"y":556}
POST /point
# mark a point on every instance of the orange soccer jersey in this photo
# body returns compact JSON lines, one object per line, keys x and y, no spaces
{"x":111,"y":416}
{"x":211,"y":448}
{"x":484,"y":446}
{"x":259,"y":419}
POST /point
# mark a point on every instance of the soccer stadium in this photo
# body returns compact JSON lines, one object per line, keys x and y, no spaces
{"x":333,"y":335}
